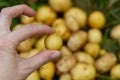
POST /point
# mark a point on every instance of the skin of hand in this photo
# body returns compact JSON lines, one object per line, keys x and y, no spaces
{"x":12,"y":67}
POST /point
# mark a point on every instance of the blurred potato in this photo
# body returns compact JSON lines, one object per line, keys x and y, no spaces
{"x":61,"y":29}
{"x":92,"y":49}
{"x":47,"y":71}
{"x":77,"y":40}
{"x":83,"y":72}
{"x":26,"y":20}
{"x":45,"y":15}
{"x":83,"y":57}
{"x":105,"y":63}
{"x":60,"y":5}
{"x":75,"y":18}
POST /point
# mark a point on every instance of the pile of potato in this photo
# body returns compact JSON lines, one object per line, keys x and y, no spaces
{"x":77,"y":35}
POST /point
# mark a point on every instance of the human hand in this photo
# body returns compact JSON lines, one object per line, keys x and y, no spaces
{"x":12,"y":67}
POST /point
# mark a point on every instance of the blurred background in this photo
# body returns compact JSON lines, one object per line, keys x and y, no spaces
{"x":90,"y":34}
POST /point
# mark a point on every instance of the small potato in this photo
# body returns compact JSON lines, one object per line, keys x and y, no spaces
{"x":33,"y":40}
{"x":40,"y":44}
{"x":92,"y":49}
{"x":115,"y":32}
{"x":65,"y":51}
{"x":83,"y":72}
{"x":115,"y":71}
{"x":96,"y":20}
{"x":83,"y":57}
{"x":53,"y":42}
{"x":47,"y":71}
{"x":24,"y":54}
{"x":33,"y":76}
{"x":105,"y":63}
{"x":102,"y":52}
{"x":24,"y":46}
{"x":60,"y":5}
{"x":65,"y":64}
{"x":61,"y":29}
{"x":94,"y":35}
{"x":75,"y":18}
{"x":65,"y":76}
{"x":46,"y":15}
{"x":17,"y":27}
{"x":33,"y":52}
{"x":77,"y":40}
{"x":26,"y":20}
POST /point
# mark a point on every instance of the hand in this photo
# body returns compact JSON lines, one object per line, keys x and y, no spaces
{"x":12,"y":67}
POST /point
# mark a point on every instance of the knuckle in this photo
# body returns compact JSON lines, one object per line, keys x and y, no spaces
{"x":4,"y":10}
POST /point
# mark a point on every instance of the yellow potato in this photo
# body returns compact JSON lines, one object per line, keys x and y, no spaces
{"x":33,"y":52}
{"x":92,"y":49}
{"x":65,"y":51}
{"x":65,"y":76}
{"x":75,"y":18}
{"x":26,"y":20}
{"x":102,"y":52}
{"x":45,"y":15}
{"x":105,"y":63}
{"x":53,"y":42}
{"x":33,"y":76}
{"x":115,"y":32}
{"x":47,"y":71}
{"x":83,"y":57}
{"x":83,"y":72}
{"x":24,"y":54}
{"x":77,"y":40}
{"x":96,"y":20}
{"x":94,"y":35}
{"x":60,"y":5}
{"x":61,"y":29}
{"x":24,"y":46}
{"x":115,"y":71}
{"x":65,"y":64}
{"x":40,"y":44}
{"x":17,"y":27}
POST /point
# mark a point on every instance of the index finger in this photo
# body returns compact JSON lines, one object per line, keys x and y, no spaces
{"x":7,"y":14}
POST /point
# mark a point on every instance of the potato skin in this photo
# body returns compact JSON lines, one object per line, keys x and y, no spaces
{"x":97,"y":20}
{"x":61,"y":29}
{"x":105,"y":63}
{"x":115,"y":71}
{"x":65,"y":64}
{"x":45,"y":15}
{"x":75,"y":19}
{"x":77,"y":40}
{"x":92,"y":49}
{"x":115,"y":32}
{"x":83,"y":57}
{"x":83,"y":72}
{"x":65,"y":76}
{"x":60,"y":5}
{"x":94,"y":35}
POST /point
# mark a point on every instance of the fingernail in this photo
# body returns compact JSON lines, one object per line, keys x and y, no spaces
{"x":56,"y":54}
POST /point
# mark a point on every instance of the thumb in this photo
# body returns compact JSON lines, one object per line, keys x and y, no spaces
{"x":40,"y":59}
